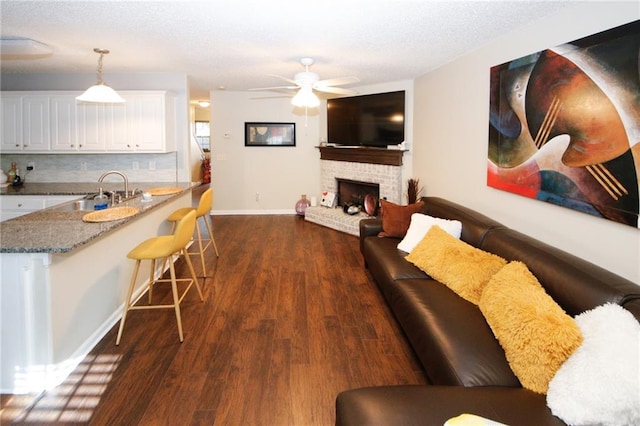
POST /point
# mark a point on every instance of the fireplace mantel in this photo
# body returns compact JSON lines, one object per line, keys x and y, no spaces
{"x":389,"y":157}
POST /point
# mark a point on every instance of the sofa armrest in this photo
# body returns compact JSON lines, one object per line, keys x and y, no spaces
{"x":369,"y":228}
{"x":426,"y":405}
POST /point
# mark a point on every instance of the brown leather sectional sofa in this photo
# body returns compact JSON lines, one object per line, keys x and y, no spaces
{"x":465,"y":364}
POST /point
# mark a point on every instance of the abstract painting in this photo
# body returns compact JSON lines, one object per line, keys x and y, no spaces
{"x":564,"y":125}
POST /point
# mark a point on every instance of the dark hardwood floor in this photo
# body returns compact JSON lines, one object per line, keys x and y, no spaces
{"x":290,"y":319}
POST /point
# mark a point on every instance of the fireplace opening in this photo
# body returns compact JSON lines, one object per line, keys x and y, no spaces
{"x":353,"y":193}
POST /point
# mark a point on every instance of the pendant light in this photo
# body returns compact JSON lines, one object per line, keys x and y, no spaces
{"x":100,"y":92}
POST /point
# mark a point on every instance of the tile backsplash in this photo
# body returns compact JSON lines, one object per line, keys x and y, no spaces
{"x":88,"y":167}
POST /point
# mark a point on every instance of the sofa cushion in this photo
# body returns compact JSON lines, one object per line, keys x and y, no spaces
{"x":396,"y":218}
{"x":600,"y":382}
{"x":420,"y":225}
{"x":536,"y":334}
{"x":449,"y":335}
{"x":432,"y":405}
{"x":463,"y":268}
{"x":386,"y":263}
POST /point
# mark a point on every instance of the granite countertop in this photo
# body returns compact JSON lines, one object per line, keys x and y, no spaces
{"x":81,"y":189}
{"x":52,"y":231}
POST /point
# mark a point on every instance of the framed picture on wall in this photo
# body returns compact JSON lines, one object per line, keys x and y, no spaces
{"x":269,"y":134}
{"x":564,"y":125}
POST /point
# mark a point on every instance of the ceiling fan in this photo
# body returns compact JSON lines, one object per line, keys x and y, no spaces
{"x":306,"y":82}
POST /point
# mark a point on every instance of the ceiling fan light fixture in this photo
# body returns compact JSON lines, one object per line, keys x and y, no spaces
{"x":305,"y":98}
{"x":100,"y":92}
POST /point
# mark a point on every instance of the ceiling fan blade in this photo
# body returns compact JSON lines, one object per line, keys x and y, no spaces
{"x":338,"y":81}
{"x":336,"y":90}
{"x":256,"y":89}
{"x":284,"y":78}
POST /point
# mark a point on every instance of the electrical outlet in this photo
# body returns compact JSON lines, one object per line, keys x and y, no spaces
{"x":257,"y":197}
{"x":31,"y":165}
{"x":152,"y":164}
{"x":135,"y":165}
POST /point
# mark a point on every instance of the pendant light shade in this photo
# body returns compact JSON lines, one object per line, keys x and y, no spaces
{"x":305,"y":98}
{"x":100,"y":93}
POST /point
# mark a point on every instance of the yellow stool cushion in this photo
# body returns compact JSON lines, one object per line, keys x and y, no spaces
{"x":153,"y":248}
{"x":179,"y":214}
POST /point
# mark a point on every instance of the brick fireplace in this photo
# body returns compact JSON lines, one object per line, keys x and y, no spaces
{"x":381,"y":167}
{"x":353,"y":192}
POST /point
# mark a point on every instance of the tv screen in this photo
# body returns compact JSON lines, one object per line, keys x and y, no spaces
{"x":368,"y":120}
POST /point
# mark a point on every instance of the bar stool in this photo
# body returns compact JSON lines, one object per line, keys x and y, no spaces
{"x":202,"y":212}
{"x":163,"y":247}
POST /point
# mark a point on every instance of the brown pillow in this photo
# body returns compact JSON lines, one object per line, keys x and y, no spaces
{"x":396,"y":218}
{"x":461,"y":267}
{"x":536,"y":334}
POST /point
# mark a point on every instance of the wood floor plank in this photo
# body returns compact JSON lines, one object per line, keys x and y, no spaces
{"x":290,"y":319}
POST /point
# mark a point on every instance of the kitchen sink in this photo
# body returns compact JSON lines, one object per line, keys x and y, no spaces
{"x":75,"y":205}
{"x":87,"y":203}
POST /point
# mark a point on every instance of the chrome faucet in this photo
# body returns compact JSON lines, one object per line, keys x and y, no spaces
{"x":115,"y":172}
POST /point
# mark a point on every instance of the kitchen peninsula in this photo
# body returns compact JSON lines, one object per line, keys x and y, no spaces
{"x":63,"y":281}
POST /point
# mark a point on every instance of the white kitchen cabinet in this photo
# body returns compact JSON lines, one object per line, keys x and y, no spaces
{"x":11,"y":115}
{"x":149,"y":124}
{"x":100,"y":126}
{"x":63,"y":123}
{"x":25,"y":123}
{"x":55,"y":122}
{"x":17,"y":205}
{"x":36,"y":130}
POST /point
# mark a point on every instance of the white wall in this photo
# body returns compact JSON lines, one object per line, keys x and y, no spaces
{"x":68,"y":166}
{"x":451,"y":140}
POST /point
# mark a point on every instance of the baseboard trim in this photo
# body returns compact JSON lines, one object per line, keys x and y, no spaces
{"x":251,"y":212}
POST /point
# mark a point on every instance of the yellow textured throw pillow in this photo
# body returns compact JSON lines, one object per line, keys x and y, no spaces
{"x":536,"y":334}
{"x":461,"y":267}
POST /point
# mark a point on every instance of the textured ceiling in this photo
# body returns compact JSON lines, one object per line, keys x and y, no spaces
{"x":239,"y":44}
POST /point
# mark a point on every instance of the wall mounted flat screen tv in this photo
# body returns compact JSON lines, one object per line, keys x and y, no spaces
{"x":369,"y":120}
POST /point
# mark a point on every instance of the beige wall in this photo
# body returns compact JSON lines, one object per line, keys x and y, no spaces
{"x":451,"y":130}
{"x":279,"y":175}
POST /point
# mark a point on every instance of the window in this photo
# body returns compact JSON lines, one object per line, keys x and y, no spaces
{"x":202,"y":133}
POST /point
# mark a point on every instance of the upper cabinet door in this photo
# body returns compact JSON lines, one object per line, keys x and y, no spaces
{"x":101,"y":127}
{"x":25,"y":122}
{"x":63,"y":123}
{"x":11,"y":116}
{"x":35,"y":123}
{"x":146,"y":122}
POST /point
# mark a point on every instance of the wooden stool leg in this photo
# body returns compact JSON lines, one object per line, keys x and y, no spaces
{"x":164,"y":261}
{"x":152,"y":278}
{"x":210,"y":230}
{"x":204,"y":267}
{"x":127,"y":302}
{"x":176,"y":299}
{"x":193,"y":273}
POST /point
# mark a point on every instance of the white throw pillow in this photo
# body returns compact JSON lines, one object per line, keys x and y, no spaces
{"x":600,"y":382}
{"x":421,"y":223}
